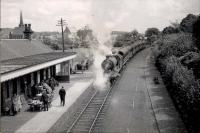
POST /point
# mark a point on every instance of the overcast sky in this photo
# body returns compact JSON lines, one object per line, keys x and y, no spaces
{"x":102,"y":15}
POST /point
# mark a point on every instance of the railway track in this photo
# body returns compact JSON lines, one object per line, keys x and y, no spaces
{"x":88,"y":116}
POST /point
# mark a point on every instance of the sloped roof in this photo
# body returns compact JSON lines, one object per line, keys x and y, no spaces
{"x":32,"y":60}
{"x":67,"y":31}
{"x":14,"y":48}
{"x":19,"y":66}
{"x":18,"y":30}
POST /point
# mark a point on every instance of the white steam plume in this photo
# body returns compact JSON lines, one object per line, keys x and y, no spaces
{"x":100,"y":53}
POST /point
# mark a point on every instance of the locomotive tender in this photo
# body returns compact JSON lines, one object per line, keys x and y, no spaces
{"x":114,"y":63}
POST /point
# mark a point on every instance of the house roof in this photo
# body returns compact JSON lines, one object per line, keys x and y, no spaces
{"x":14,"y":48}
{"x":18,"y":30}
{"x":67,"y":31}
{"x":13,"y":68}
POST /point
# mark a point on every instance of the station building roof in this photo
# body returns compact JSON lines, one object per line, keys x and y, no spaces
{"x":16,"y":67}
{"x":14,"y":48}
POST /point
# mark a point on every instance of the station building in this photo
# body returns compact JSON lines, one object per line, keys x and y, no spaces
{"x":26,"y":62}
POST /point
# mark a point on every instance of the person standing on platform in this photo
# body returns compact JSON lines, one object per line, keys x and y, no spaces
{"x":62,"y":93}
{"x":45,"y":99}
{"x":14,"y":104}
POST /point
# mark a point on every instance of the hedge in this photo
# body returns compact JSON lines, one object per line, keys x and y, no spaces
{"x":179,"y":80}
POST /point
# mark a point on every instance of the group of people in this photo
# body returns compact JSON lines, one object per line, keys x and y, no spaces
{"x":48,"y":84}
{"x":16,"y":104}
{"x":45,"y":98}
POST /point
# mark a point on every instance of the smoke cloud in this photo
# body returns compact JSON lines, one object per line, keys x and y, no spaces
{"x":100,"y":51}
{"x":102,"y":32}
{"x":101,"y":79}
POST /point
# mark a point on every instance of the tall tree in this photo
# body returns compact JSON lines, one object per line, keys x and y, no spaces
{"x":86,"y":36}
{"x":170,"y":30}
{"x":186,"y":24}
{"x":152,"y":34}
{"x":196,"y":32}
{"x":127,"y":38}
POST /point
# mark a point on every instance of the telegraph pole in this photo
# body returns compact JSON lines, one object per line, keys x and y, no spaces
{"x":61,"y":23}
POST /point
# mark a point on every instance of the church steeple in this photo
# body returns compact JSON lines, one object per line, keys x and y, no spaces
{"x":21,"y":24}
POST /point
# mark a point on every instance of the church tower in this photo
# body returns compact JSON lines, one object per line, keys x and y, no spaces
{"x":21,"y":24}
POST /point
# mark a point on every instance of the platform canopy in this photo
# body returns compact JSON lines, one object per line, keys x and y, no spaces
{"x":16,"y":67}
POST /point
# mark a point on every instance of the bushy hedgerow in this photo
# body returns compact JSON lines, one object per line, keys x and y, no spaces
{"x":170,"y":30}
{"x":177,"y":46}
{"x":180,"y":81}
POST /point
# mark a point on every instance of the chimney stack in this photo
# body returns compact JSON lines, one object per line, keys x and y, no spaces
{"x":28,"y":31}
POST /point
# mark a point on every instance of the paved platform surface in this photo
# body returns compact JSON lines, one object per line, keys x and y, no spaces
{"x":167,"y":117}
{"x":41,"y":122}
{"x":138,"y":105}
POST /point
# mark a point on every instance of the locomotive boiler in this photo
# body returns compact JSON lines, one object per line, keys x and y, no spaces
{"x":114,"y":63}
{"x":110,"y":63}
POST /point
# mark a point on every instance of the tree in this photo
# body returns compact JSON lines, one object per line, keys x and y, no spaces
{"x":151,"y":31}
{"x":196,"y":32}
{"x":127,"y":38}
{"x":86,"y":36}
{"x":151,"y":34}
{"x":51,"y":43}
{"x":173,"y":28}
{"x":186,"y":24}
{"x":169,"y":30}
{"x":85,"y":33}
{"x":175,"y":24}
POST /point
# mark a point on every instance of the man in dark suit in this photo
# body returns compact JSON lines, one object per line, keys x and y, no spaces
{"x":62,"y":93}
{"x":45,"y":99}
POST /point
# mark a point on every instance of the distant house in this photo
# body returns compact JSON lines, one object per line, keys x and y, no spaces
{"x":18,"y":32}
{"x":115,"y":34}
{"x":23,"y":31}
{"x":67,"y":31}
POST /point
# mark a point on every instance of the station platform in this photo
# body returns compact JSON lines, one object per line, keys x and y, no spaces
{"x":167,"y":117}
{"x":41,"y":122}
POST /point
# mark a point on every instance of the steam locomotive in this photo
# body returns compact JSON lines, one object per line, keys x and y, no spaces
{"x":114,"y":63}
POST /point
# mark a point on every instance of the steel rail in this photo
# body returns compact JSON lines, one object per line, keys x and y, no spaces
{"x":79,"y":116}
{"x":100,"y":109}
{"x":123,"y":68}
{"x":98,"y":112}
